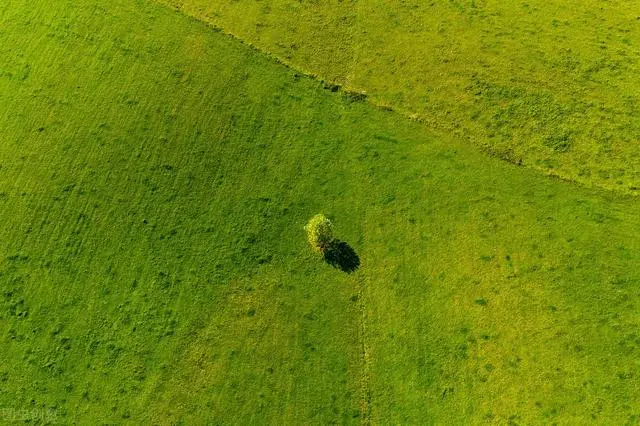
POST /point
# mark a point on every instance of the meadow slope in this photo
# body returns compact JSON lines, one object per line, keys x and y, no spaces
{"x":549,"y":84}
{"x":155,"y":178}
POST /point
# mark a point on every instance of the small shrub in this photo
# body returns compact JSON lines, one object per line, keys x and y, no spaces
{"x":353,"y":96}
{"x":331,"y":86}
{"x":559,"y":142}
{"x":319,"y":233}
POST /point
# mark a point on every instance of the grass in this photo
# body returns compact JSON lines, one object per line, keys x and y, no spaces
{"x":155,"y":179}
{"x":507,"y":77}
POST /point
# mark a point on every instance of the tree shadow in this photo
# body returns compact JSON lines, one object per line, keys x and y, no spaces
{"x":342,"y":256}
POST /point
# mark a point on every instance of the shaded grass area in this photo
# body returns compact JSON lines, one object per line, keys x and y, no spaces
{"x":546,"y":84}
{"x":342,"y":256}
{"x":155,"y":177}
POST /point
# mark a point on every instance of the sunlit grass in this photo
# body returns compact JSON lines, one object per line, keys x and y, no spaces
{"x":156,"y":176}
{"x":550,"y":85}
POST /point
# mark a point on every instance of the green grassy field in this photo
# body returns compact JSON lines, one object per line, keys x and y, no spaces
{"x":155,"y":178}
{"x":548,"y":84}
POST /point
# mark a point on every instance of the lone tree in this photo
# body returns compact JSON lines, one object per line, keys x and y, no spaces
{"x":319,"y":233}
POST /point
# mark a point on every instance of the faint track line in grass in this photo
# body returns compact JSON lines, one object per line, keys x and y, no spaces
{"x":365,"y":389}
{"x":362,"y":282}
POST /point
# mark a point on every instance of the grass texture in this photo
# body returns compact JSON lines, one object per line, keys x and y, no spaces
{"x":551,"y":85}
{"x":155,"y":179}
